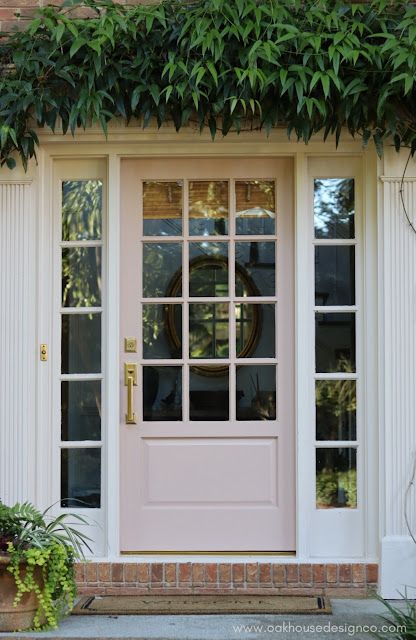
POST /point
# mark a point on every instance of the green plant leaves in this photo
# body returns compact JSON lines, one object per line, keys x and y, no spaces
{"x":312,"y":66}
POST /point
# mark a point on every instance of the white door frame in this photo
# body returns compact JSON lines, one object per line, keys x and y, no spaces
{"x":136,"y":142}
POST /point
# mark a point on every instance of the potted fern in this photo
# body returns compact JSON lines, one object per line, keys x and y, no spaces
{"x":37,"y":556}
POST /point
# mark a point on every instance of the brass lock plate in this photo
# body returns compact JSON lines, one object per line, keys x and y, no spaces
{"x":130,"y":345}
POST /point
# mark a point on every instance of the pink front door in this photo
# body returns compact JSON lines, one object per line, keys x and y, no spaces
{"x":207,"y":355}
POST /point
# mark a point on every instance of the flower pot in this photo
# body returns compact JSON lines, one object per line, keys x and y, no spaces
{"x":19,"y":617}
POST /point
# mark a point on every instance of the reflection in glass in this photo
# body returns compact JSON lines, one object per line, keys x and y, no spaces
{"x":208,"y":269}
{"x":160,"y":262}
{"x":255,"y":207}
{"x":336,"y":404}
{"x":81,"y":410}
{"x":256,"y":392}
{"x":334,"y":207}
{"x":162,"y":208}
{"x":208,"y":207}
{"x":334,"y":275}
{"x":162,"y":331}
{"x":81,"y":209}
{"x":336,"y":478}
{"x":257,"y":259}
{"x":208,"y":395}
{"x":81,"y":277}
{"x":208,"y":330}
{"x":255,"y":330}
{"x":81,"y":343}
{"x":162,"y":393}
{"x":81,"y":478}
{"x":335,"y":342}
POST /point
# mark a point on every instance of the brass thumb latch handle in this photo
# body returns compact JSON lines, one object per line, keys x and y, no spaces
{"x":130,"y":381}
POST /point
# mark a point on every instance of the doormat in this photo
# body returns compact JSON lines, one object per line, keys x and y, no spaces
{"x":200,"y":604}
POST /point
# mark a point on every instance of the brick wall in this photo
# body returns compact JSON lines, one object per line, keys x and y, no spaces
{"x":16,"y":13}
{"x":131,"y":578}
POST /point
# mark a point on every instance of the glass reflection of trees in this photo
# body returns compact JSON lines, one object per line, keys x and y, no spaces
{"x":334,"y":207}
{"x":336,"y":405}
{"x":81,"y":210}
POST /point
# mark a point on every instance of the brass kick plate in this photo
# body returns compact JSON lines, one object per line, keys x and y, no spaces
{"x":43,"y":352}
{"x":130,"y":345}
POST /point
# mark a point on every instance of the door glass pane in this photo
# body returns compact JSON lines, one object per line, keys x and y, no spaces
{"x":81,"y":343}
{"x":162,"y":208}
{"x":334,"y":275}
{"x":255,"y":269}
{"x":255,"y":207}
{"x":208,"y":207}
{"x":208,"y":269}
{"x":81,"y":277}
{"x":208,"y":394}
{"x":162,"y":331}
{"x":208,"y":330}
{"x":81,"y":410}
{"x":335,"y":342}
{"x":255,"y":330}
{"x":82,"y":210}
{"x":162,"y":270}
{"x":336,"y":478}
{"x":81,"y":478}
{"x":336,"y":404}
{"x":334,"y":208}
{"x":256,"y":392}
{"x":162,"y":393}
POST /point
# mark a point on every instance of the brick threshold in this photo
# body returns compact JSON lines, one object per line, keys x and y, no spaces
{"x":131,"y":578}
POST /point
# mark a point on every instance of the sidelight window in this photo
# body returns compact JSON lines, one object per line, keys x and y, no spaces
{"x":336,"y":373}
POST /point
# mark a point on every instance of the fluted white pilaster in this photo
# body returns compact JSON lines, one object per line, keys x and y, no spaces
{"x":18,"y":285}
{"x":398,"y":397}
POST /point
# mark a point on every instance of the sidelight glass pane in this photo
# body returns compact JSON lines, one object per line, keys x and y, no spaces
{"x":255,"y":330}
{"x":335,"y":342}
{"x":336,"y":406}
{"x":82,"y":210}
{"x":208,"y":330}
{"x":336,"y":478}
{"x":255,"y":269}
{"x":162,"y":208}
{"x":256,"y":392}
{"x":81,"y":410}
{"x":208,"y":207}
{"x":209,"y":394}
{"x":81,"y":478}
{"x":208,"y":269}
{"x":334,"y":208}
{"x":162,"y":331}
{"x":162,"y":393}
{"x":81,"y":277}
{"x":255,"y":207}
{"x":162,"y":270}
{"x":81,"y":343}
{"x":334,"y":275}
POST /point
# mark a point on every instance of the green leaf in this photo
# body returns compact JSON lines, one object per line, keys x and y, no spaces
{"x":325,"y":85}
{"x":76,"y":45}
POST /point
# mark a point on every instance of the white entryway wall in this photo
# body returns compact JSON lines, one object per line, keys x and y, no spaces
{"x":28,"y":453}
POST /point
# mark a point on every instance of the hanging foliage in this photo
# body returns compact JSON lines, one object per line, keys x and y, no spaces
{"x":309,"y":65}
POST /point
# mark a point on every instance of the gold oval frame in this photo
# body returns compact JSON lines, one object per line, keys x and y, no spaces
{"x":199,"y":263}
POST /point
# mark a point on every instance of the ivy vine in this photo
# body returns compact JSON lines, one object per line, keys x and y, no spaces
{"x":313,"y":66}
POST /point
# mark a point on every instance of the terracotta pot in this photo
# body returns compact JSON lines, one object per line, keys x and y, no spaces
{"x":20,"y":617}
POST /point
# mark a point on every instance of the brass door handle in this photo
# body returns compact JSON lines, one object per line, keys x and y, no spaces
{"x":130,"y":381}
